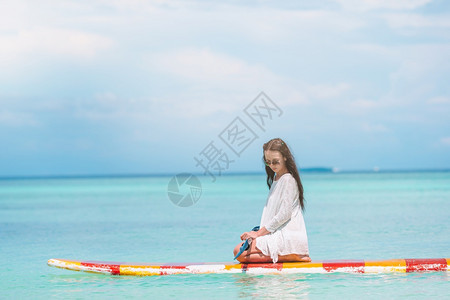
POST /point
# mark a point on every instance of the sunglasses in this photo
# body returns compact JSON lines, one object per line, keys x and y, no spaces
{"x":274,"y":162}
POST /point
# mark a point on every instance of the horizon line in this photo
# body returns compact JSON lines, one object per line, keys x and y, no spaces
{"x":319,"y":170}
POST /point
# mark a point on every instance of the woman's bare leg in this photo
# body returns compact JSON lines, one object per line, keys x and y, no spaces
{"x":254,"y":255}
{"x":294,"y":257}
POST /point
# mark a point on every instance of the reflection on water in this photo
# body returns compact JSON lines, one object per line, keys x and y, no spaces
{"x":337,"y":285}
{"x":288,"y":286}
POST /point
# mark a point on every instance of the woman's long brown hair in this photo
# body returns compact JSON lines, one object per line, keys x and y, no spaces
{"x":278,"y":144}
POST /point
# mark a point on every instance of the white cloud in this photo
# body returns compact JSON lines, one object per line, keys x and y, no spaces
{"x":277,"y":25}
{"x":364,"y":104}
{"x":109,"y":106}
{"x":402,"y":20}
{"x":359,"y":108}
{"x":421,"y":63}
{"x":191,"y":104}
{"x":204,"y":69}
{"x":366,"y":5}
{"x":207,"y":66}
{"x":51,"y":42}
{"x":413,"y":24}
{"x":434,"y":53}
{"x":222,"y":74}
{"x":439,"y":100}
{"x":374,"y":128}
{"x":220,"y":80}
{"x":17,"y":119}
{"x":291,"y":97}
{"x":415,"y":71}
{"x":326,"y":91}
{"x":445,"y":141}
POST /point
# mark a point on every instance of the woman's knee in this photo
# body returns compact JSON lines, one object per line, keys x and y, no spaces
{"x":237,"y":248}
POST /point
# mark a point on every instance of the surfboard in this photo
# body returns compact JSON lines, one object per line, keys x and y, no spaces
{"x":347,"y":266}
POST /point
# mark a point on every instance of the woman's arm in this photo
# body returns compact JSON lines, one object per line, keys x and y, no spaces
{"x":288,"y":196}
{"x":254,"y":234}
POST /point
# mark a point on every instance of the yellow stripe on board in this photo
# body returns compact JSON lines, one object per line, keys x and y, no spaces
{"x":65,"y":264}
{"x":392,"y":265}
{"x":233,"y":267}
{"x":303,"y":267}
{"x":298,"y":265}
{"x":69,"y":262}
{"x":139,"y":270}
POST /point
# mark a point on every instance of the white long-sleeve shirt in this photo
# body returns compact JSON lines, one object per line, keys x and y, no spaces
{"x":282,"y":217}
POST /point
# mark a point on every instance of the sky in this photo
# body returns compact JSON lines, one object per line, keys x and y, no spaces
{"x":142,"y":87}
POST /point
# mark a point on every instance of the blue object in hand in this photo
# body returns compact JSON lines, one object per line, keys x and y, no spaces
{"x":245,"y":245}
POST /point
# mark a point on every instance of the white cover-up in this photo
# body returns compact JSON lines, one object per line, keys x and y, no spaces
{"x":282,"y":216}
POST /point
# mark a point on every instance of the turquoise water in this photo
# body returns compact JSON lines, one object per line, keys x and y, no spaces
{"x":348,"y":216}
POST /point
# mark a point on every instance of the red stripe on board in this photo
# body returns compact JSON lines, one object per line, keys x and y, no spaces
{"x":278,"y":266}
{"x":173,"y":266}
{"x":244,"y":267}
{"x":426,"y":264}
{"x":357,"y":265}
{"x":181,"y":264}
{"x":102,"y":267}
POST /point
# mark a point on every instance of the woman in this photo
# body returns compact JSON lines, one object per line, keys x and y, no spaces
{"x":282,"y":234}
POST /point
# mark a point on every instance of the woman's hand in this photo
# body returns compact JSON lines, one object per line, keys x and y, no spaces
{"x":254,"y":234}
{"x":250,"y":234}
